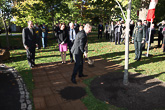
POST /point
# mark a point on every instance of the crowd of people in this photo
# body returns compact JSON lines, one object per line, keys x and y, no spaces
{"x":74,"y":37}
{"x":138,"y":34}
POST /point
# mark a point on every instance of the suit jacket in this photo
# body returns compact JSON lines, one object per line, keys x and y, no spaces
{"x":28,"y":37}
{"x":106,"y":28}
{"x":79,"y":43}
{"x":146,"y":32}
{"x":68,"y":34}
{"x":44,"y":31}
{"x":38,"y":32}
{"x":131,"y":29}
{"x":116,"y":28}
{"x":139,"y":34}
{"x":100,"y":27}
{"x":76,"y":27}
{"x":62,"y":36}
{"x":110,"y":28}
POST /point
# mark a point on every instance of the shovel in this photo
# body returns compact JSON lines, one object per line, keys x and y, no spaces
{"x":90,"y":62}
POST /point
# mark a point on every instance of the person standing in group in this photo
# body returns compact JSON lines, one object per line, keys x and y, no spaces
{"x":71,"y":37}
{"x":106,"y":31}
{"x":44,"y":35}
{"x":138,"y":39}
{"x":76,"y":26}
{"x":62,"y":41}
{"x":118,"y":32}
{"x":152,"y":34}
{"x":132,"y":25}
{"x":29,"y":43}
{"x":80,"y":28}
{"x":163,"y":32}
{"x":123,"y":32}
{"x":111,"y":32}
{"x":160,"y":35}
{"x":100,"y":30}
{"x":146,"y":34}
{"x":38,"y":32}
{"x":78,"y":50}
{"x":56,"y":28}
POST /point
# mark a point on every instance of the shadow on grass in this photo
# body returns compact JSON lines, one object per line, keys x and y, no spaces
{"x":147,"y":60}
{"x":47,"y":56}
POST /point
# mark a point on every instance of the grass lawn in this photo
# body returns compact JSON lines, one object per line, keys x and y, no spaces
{"x":153,"y":65}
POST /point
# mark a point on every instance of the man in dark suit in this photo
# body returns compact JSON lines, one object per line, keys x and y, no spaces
{"x":111,"y":32}
{"x":160,"y":35}
{"x":29,"y":43}
{"x":106,"y":31}
{"x":118,"y":32}
{"x":146,"y":34}
{"x":71,"y":38}
{"x":38,"y":32}
{"x":78,"y":51}
{"x":76,"y":26}
{"x":100,"y":30}
{"x":44,"y":35}
{"x":138,"y":39}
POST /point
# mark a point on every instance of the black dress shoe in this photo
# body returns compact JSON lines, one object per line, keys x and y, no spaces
{"x":135,"y":59}
{"x":138,"y":59}
{"x":83,"y":75}
{"x":34,"y":65}
{"x":74,"y":81}
{"x":71,"y":61}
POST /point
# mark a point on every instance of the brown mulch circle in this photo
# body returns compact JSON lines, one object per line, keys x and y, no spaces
{"x":142,"y":93}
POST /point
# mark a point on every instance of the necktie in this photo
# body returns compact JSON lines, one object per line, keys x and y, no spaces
{"x":72,"y":34}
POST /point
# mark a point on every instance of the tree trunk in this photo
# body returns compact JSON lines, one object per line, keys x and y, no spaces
{"x":6,"y":30}
{"x":125,"y":79}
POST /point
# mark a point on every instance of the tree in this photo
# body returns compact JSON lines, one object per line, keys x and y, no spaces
{"x":40,"y":11}
{"x":56,"y":9}
{"x":30,"y":10}
{"x":159,"y":13}
{"x":125,"y":79}
{"x":6,"y":15}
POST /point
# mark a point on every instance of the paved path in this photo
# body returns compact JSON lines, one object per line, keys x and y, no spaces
{"x":50,"y":78}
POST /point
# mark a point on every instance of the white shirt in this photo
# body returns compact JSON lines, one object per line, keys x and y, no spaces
{"x":112,"y":27}
{"x":119,"y":28}
{"x":70,"y":34}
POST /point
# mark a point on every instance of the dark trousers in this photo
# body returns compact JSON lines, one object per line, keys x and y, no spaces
{"x":70,"y":44}
{"x":31,"y":56}
{"x":106,"y":35}
{"x":117,"y":38}
{"x":112,"y":36}
{"x":138,"y":50}
{"x":39,"y":42}
{"x":78,"y":67}
{"x":44,"y":42}
{"x":160,"y":38}
{"x":143,"y":45}
{"x":99,"y":33}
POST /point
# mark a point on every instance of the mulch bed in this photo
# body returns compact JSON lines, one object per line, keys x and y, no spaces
{"x":9,"y":91}
{"x":142,"y":93}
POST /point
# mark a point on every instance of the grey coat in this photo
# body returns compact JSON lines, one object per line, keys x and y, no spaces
{"x":79,"y":43}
